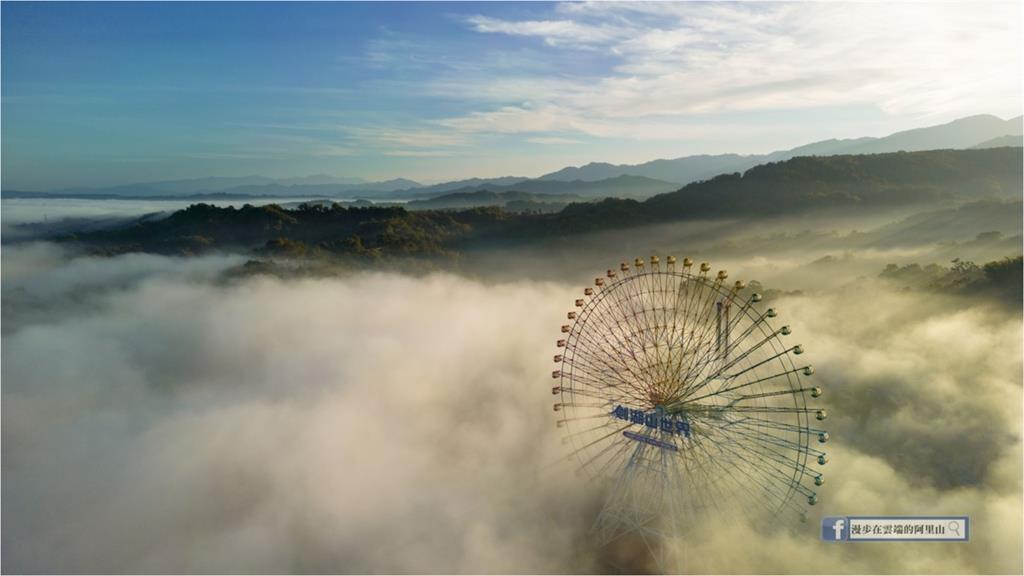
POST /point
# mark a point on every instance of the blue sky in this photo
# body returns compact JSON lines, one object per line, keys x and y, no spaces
{"x":110,"y":93}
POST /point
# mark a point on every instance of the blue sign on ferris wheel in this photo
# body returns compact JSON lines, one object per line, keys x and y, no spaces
{"x":655,"y":420}
{"x":652,"y":441}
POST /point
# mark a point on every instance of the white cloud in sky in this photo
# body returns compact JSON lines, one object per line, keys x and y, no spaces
{"x":518,"y":119}
{"x":418,"y":153}
{"x":677,"y":61}
{"x":552,"y":140}
{"x":408,"y":138}
{"x":331,"y":150}
{"x":678,"y":78}
{"x":554,"y":32}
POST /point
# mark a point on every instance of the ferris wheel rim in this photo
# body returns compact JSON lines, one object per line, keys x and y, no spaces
{"x":715,"y":288}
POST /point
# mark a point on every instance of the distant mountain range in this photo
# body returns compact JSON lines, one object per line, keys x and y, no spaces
{"x":973,"y":131}
{"x":235,"y":187}
{"x":467,"y":184}
{"x":510,"y":201}
{"x":594,"y":181}
{"x":822,"y":185}
{"x":622,"y":186}
{"x":1001,"y":142}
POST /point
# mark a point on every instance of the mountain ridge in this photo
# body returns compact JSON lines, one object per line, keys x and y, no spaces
{"x":807,"y":184}
{"x":981,"y":130}
{"x":961,"y":133}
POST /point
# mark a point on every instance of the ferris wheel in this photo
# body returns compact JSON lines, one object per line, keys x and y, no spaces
{"x":683,"y":395}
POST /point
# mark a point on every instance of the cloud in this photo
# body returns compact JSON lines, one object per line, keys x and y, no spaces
{"x":553,"y":32}
{"x":405,"y":137}
{"x":947,"y":433}
{"x":284,"y":141}
{"x":43,"y":281}
{"x":418,"y":153}
{"x":518,"y":119}
{"x":333,"y":150}
{"x":159,"y":416}
{"x":678,"y":61}
{"x":272,"y":426}
{"x":231,"y":155}
{"x":553,"y":140}
{"x":871,"y":485}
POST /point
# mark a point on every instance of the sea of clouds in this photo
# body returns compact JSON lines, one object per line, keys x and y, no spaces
{"x":160,"y":416}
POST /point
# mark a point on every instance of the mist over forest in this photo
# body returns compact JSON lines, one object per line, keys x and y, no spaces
{"x":263,"y":402}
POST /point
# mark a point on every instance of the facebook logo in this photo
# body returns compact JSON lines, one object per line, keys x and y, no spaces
{"x":834,"y":528}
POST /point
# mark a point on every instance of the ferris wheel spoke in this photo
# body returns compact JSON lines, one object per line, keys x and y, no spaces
{"x":601,"y":379}
{"x":803,"y":369}
{"x":706,"y":308}
{"x":756,"y":409}
{"x":601,"y":369}
{"x":780,"y":485}
{"x":800,"y":429}
{"x":771,"y":479}
{"x":599,"y":374}
{"x":737,"y":463}
{"x":580,"y":449}
{"x":584,"y":404}
{"x":765,"y":452}
{"x":791,"y":392}
{"x":770,"y":439}
{"x":582,"y":392}
{"x":694,"y":292}
{"x":724,"y":467}
{"x":607,"y":300}
{"x":660,"y":309}
{"x":605,"y":437}
{"x":634,"y":368}
{"x":695,"y":367}
{"x":698,"y":382}
{"x":680,"y":304}
{"x":635,"y":306}
{"x":734,"y":344}
{"x":605,"y":356}
{"x":763,"y":362}
{"x":737,"y":359}
{"x":639,"y":302}
{"x":598,"y":377}
{"x":565,"y":421}
{"x":698,"y":340}
{"x":788,"y":466}
{"x":628,"y":337}
{"x":757,"y":322}
{"x":624,"y":344}
{"x":625,"y":300}
{"x":591,"y":430}
{"x":624,"y":393}
{"x":649,"y":304}
{"x":679,"y":355}
{"x":706,"y":467}
{"x":614,"y":452}
{"x":769,"y":451}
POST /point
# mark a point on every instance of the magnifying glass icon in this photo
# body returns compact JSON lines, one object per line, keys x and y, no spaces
{"x":954,"y":527}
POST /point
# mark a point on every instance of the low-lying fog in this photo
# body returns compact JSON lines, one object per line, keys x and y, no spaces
{"x":26,"y":218}
{"x":161,"y":416}
{"x":789,"y":253}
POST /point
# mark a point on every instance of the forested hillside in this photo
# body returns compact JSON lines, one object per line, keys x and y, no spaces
{"x":802,"y":184}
